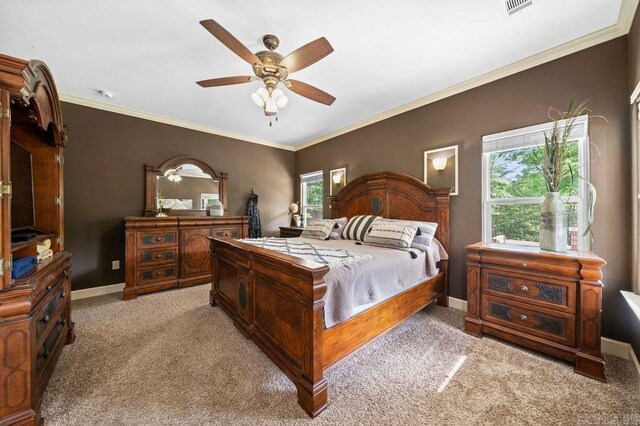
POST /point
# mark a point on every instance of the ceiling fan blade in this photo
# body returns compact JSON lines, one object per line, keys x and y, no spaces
{"x":309,"y":92}
{"x":307,"y":55}
{"x":230,"y":41}
{"x":226,"y":81}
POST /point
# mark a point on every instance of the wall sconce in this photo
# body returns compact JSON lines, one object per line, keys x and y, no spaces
{"x":338,"y":178}
{"x":440,"y":163}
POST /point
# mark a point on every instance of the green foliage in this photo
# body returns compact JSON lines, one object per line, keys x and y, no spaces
{"x":516,"y":174}
{"x":315,"y":193}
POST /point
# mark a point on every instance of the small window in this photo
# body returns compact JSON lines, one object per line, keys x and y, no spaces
{"x":513,"y":186}
{"x":312,"y":195}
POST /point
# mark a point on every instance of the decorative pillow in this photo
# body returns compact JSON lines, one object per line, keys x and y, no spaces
{"x":391,"y":235}
{"x":424,"y":235}
{"x":357,"y":227}
{"x":319,"y":229}
{"x":338,"y":227}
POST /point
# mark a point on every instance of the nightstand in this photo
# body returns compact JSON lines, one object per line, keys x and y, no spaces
{"x":547,"y":301}
{"x":290,"y":231}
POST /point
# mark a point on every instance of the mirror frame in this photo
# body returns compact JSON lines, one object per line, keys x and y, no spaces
{"x":151,"y":183}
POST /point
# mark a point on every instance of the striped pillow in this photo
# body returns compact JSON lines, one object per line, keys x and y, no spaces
{"x":396,"y":236}
{"x":357,"y":227}
{"x":319,"y":229}
{"x":426,"y":230}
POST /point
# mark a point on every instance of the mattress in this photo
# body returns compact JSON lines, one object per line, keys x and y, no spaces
{"x":382,"y":274}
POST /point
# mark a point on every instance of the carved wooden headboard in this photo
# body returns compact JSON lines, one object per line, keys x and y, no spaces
{"x":395,"y":196}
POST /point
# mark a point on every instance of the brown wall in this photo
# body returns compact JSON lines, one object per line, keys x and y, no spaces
{"x":634,"y":79}
{"x":397,"y":144}
{"x":104,"y":181}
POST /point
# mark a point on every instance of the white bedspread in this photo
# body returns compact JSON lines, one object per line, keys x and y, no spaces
{"x":356,"y":286}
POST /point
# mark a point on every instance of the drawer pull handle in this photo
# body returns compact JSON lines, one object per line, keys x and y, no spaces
{"x":524,"y":289}
{"x":63,"y":295}
{"x":158,"y":256}
{"x":523,"y":318}
{"x":524,"y":264}
{"x":226,"y":234}
{"x":49,"y":287}
{"x":158,"y":239}
{"x":44,"y":354}
{"x":62,"y":322}
{"x":158,"y":273}
{"x":45,"y":319}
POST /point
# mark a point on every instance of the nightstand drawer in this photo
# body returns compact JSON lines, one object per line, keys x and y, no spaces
{"x":529,"y":288}
{"x":551,"y":325}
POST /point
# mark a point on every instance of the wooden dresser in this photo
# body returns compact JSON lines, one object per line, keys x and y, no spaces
{"x":169,"y":252}
{"x":35,"y":309}
{"x":547,"y":301}
{"x":290,"y":231}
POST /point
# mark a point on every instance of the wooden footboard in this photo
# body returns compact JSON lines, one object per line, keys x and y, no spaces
{"x":276,"y":300}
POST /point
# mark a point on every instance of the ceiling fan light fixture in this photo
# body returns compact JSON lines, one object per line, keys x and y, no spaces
{"x":257,"y":99}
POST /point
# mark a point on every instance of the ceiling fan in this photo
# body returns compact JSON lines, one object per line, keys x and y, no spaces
{"x":272,"y":68}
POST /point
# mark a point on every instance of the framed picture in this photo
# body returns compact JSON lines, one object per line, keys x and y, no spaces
{"x":205,"y":198}
{"x":441,"y":168}
{"x":337,"y":180}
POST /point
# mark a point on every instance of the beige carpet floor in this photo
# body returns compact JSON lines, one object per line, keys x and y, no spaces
{"x":170,"y":358}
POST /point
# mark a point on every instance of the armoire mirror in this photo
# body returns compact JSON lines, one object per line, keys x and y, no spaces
{"x":183,"y":186}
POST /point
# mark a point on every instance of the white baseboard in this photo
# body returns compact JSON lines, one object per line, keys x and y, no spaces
{"x":96,"y":291}
{"x":458,"y":304}
{"x":609,"y":346}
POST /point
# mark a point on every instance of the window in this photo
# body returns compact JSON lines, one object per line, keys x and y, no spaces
{"x":513,"y":187}
{"x":311,"y":195}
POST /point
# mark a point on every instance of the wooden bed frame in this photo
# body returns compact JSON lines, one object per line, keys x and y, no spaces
{"x":276,"y":299}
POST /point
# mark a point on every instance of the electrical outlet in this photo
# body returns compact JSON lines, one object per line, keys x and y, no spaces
{"x":115,"y":264}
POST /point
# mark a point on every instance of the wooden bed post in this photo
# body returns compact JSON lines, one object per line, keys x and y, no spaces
{"x":312,"y":387}
{"x":443,"y":235}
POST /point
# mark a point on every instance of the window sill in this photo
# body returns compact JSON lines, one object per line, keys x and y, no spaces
{"x":633,"y":300}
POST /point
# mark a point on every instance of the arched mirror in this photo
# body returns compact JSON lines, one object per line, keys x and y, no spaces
{"x":183,"y":186}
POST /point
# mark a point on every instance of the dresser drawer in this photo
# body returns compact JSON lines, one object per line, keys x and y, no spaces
{"x":150,"y":257}
{"x":157,"y":239}
{"x":50,"y":310}
{"x":548,"y":324}
{"x":529,"y":288}
{"x":158,"y":273}
{"x":227,"y":232}
{"x":48,"y":351}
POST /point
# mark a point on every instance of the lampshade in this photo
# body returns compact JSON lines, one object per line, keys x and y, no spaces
{"x":439,"y":163}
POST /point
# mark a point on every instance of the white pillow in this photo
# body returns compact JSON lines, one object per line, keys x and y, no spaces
{"x":319,"y":229}
{"x":338,"y":227}
{"x":391,"y":235}
{"x":424,"y":235}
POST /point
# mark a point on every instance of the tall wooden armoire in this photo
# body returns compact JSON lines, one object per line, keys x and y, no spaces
{"x":35,"y":310}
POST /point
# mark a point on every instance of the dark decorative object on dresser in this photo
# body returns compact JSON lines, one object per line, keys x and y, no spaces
{"x":173,"y":251}
{"x":35,"y":310}
{"x":547,"y":301}
{"x":290,"y":231}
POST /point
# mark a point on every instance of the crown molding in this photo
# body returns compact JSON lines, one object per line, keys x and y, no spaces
{"x":167,"y":120}
{"x":622,"y":27}
{"x":625,"y":20}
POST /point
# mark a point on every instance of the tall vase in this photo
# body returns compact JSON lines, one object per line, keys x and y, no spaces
{"x":553,"y":227}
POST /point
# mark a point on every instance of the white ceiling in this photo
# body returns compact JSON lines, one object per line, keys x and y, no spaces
{"x":150,"y":53}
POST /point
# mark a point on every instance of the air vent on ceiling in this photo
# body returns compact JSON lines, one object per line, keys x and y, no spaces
{"x":514,"y":6}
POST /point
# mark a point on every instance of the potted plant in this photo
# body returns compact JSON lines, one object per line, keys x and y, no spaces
{"x":553,"y":226}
